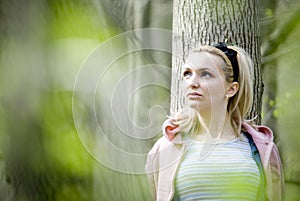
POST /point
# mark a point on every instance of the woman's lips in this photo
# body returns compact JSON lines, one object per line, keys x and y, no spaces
{"x":194,"y":95}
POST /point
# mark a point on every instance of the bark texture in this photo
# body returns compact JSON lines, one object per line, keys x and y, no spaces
{"x":206,"y":22}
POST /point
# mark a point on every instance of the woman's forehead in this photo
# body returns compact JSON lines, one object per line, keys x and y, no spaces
{"x":202,"y":60}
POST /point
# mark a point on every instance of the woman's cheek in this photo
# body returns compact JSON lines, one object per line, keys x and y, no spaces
{"x":183,"y":85}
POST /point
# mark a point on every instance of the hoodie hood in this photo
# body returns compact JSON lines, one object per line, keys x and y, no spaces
{"x":259,"y":133}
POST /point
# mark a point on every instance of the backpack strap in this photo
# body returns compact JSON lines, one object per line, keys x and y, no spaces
{"x":256,"y":157}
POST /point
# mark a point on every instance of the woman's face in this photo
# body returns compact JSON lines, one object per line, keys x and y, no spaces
{"x":204,"y":85}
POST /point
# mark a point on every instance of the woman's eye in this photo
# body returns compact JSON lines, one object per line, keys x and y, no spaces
{"x":187,"y":73}
{"x":205,"y":74}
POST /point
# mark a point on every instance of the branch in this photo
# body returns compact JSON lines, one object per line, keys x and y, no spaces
{"x":295,"y":182}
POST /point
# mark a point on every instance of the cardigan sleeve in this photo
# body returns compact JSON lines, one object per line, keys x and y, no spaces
{"x":277,"y":174}
{"x":151,"y":168}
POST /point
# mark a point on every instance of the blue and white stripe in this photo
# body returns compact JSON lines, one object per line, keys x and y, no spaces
{"x":223,"y":171}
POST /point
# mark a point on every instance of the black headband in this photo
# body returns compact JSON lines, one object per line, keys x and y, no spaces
{"x":231,"y":55}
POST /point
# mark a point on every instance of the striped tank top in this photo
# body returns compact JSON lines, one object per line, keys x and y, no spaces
{"x":221,"y":171}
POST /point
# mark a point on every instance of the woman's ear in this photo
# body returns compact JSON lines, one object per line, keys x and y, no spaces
{"x":232,"y":89}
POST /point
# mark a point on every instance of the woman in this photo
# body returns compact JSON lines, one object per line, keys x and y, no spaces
{"x":209,"y":152}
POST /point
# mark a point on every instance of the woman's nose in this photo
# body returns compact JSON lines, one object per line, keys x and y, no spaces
{"x":195,"y":83}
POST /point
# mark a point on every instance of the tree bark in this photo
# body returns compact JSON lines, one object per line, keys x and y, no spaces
{"x":206,"y":22}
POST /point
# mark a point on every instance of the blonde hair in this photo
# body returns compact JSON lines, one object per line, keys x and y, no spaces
{"x":238,"y":106}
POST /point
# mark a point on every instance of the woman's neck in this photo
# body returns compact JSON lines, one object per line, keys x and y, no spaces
{"x":216,"y":127}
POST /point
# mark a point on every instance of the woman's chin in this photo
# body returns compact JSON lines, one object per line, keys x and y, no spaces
{"x":194,"y":105}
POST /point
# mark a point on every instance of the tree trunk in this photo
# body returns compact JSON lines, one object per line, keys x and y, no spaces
{"x":207,"y":22}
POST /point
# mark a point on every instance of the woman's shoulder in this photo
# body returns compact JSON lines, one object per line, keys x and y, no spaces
{"x":161,"y":143}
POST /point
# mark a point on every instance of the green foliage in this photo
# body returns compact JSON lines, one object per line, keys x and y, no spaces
{"x":79,"y":19}
{"x":61,"y":140}
{"x":285,"y":106}
{"x":269,"y":12}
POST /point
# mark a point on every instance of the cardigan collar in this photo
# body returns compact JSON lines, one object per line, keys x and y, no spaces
{"x":261,"y":133}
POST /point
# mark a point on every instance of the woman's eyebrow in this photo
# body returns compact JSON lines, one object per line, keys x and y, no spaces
{"x":189,"y":67}
{"x":204,"y":69}
{"x":198,"y":69}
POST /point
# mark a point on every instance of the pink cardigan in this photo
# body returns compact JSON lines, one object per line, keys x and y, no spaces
{"x":165,"y":156}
